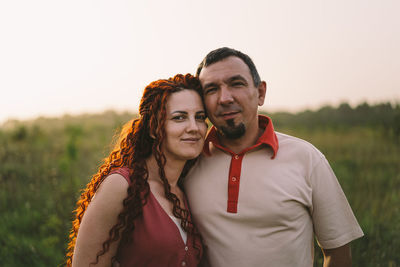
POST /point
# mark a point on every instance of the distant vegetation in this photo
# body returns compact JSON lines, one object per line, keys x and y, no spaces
{"x":45,"y":162}
{"x":385,"y":116}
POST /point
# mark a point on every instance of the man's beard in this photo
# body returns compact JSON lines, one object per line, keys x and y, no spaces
{"x":233,"y":131}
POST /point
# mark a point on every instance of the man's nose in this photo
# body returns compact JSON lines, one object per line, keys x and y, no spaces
{"x":225,"y":96}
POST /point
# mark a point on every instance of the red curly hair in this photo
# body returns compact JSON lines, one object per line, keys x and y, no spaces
{"x":135,"y":145}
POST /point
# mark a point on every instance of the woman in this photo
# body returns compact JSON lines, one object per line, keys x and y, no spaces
{"x":133,"y":212}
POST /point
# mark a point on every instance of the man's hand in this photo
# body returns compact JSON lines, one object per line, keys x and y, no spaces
{"x":337,"y":257}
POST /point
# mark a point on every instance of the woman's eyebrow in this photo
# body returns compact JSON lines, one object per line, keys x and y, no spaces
{"x":179,"y":112}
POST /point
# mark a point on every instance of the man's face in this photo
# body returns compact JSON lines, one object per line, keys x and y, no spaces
{"x":231,"y":97}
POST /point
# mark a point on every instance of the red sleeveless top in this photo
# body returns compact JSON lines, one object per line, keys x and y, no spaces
{"x":156,"y":240}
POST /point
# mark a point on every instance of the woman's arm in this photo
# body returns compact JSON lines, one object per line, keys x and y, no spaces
{"x":99,"y":218}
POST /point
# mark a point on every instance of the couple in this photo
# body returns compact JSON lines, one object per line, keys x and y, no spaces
{"x":257,"y":196}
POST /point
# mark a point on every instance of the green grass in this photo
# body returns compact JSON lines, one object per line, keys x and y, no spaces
{"x":44,"y":163}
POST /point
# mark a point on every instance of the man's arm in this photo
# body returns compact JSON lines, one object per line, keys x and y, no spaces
{"x":337,"y":257}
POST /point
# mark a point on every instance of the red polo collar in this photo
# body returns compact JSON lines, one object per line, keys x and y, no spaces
{"x":235,"y":170}
{"x":268,"y":138}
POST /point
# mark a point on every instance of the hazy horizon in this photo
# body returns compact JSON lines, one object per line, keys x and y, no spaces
{"x":100,"y":112}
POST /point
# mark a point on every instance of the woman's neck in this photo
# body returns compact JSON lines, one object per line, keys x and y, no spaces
{"x":172,"y":170}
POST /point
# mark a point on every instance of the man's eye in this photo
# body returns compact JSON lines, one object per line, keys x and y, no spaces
{"x":210,"y":90}
{"x":236,"y":84}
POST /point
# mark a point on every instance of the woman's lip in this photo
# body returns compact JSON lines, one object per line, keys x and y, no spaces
{"x":190,"y":139}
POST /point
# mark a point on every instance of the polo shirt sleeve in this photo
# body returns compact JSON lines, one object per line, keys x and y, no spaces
{"x":334,"y":222}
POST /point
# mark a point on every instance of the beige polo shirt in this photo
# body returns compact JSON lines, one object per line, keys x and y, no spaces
{"x":263,"y":207}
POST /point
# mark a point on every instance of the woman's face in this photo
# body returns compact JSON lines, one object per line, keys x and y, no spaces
{"x":185,"y":126}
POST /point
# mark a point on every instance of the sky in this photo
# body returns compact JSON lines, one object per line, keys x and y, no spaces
{"x":71,"y":57}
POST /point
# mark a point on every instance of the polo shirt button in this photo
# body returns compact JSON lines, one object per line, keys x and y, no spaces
{"x":183,"y":263}
{"x":236,"y":157}
{"x":233,"y":179}
{"x":186,"y":248}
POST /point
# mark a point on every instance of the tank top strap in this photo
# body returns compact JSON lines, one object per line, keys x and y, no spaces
{"x":124,"y":171}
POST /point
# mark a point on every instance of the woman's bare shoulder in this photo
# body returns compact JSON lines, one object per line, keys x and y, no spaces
{"x":113,"y":189}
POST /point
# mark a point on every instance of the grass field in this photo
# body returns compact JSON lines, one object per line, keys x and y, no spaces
{"x":44,"y":163}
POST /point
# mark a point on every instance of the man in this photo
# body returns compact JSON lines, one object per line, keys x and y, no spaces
{"x":258,"y":197}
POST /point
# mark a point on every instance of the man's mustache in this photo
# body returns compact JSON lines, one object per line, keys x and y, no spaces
{"x":227,"y":110}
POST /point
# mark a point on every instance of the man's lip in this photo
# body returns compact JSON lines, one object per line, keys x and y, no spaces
{"x":228,"y":115}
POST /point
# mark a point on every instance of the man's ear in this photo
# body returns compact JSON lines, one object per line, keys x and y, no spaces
{"x":262,"y":90}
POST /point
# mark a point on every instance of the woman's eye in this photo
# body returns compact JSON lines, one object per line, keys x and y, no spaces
{"x":201,"y":117}
{"x":178,"y":118}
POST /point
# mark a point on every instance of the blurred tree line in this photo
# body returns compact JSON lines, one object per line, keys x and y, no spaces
{"x":385,"y":116}
{"x":44,"y":163}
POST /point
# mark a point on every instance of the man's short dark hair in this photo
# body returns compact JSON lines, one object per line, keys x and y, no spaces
{"x":224,"y":52}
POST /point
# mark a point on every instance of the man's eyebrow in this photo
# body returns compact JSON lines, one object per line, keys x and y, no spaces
{"x":236,"y":77}
{"x":228,"y":80}
{"x":209,"y":85}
